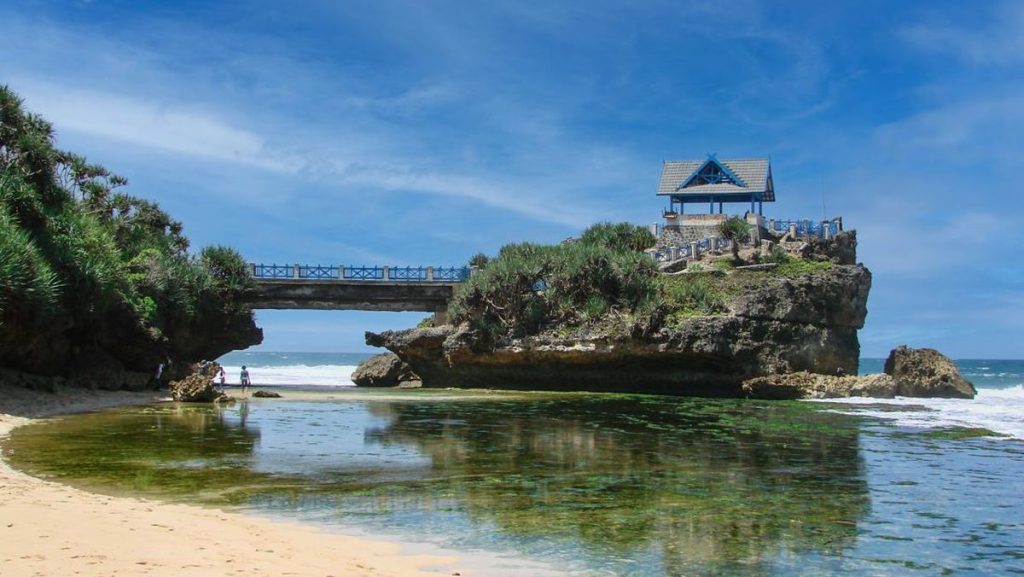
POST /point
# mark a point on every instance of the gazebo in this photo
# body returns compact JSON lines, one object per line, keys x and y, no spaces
{"x":714,"y":180}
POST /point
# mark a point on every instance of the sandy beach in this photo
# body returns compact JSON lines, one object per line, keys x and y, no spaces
{"x":50,"y":529}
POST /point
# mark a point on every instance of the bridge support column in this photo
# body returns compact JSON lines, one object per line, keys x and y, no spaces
{"x":430,"y":273}
{"x":440,"y":317}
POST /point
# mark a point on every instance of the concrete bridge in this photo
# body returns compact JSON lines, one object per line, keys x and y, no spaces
{"x":377,"y":288}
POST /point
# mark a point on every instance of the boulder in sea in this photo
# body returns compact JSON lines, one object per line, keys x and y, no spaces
{"x":197,"y":387}
{"x":926,"y":373}
{"x":384,"y":370}
{"x":266,"y":395}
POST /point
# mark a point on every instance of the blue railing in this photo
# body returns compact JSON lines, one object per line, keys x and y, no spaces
{"x":272,"y":271}
{"x":451,"y":273}
{"x":360,"y":273}
{"x":363,"y":273}
{"x":318,"y":272}
{"x":806,"y":227}
{"x":407,"y":273}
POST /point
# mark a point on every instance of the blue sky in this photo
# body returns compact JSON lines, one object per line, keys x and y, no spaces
{"x":421,"y":132}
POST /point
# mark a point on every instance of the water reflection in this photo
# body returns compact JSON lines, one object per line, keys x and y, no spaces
{"x":702,"y":482}
{"x":627,"y":485}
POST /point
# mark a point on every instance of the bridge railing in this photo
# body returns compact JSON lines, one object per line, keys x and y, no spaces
{"x":360,"y":273}
{"x":319,"y":272}
{"x":272,"y":270}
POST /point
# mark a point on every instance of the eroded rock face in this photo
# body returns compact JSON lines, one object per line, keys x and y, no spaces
{"x":383,"y":370}
{"x":198,"y":386}
{"x":926,"y":373}
{"x":837,"y":298}
{"x":842,"y":249}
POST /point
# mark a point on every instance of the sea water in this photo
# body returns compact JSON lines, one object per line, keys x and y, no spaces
{"x":587,"y":484}
{"x":998,"y":406}
{"x":293,"y":369}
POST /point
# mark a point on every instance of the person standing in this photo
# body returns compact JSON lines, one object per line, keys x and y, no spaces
{"x":244,"y":378}
{"x":222,"y":377}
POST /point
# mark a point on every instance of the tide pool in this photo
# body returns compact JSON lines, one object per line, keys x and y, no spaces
{"x":582,"y":484}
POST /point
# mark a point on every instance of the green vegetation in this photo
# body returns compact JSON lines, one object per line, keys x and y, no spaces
{"x":478,"y":260}
{"x":735,"y":230}
{"x":694,"y":295}
{"x":619,"y":237}
{"x":79,"y":259}
{"x":529,"y":287}
{"x":601,"y":283}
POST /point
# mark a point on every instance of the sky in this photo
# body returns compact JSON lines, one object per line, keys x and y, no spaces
{"x":417,"y":132}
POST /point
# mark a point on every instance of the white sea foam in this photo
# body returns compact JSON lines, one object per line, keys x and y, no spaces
{"x":294,"y":375}
{"x":998,"y":410}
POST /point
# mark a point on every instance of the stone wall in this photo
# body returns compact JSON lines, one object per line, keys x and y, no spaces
{"x":684,"y":235}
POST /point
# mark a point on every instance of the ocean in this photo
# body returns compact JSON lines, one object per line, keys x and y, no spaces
{"x":293,"y":369}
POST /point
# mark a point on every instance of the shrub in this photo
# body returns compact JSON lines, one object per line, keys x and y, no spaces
{"x":478,"y":261}
{"x":29,"y":288}
{"x":528,"y":287}
{"x":736,"y":230}
{"x":619,"y":237}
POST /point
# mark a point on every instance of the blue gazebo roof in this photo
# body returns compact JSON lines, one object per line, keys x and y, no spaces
{"x":717,"y":180}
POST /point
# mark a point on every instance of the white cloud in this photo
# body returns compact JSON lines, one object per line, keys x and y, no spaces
{"x":1000,"y":42}
{"x":987,"y":125}
{"x":163,"y":126}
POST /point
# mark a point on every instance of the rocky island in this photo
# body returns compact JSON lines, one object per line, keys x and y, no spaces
{"x":598,"y":315}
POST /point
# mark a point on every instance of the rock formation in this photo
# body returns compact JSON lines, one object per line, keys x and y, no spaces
{"x":805,"y":385}
{"x":908,"y":373}
{"x":926,"y":373}
{"x":383,"y":370}
{"x":198,"y":386}
{"x":779,"y":324}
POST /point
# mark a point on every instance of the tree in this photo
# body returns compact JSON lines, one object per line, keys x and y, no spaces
{"x":735,"y":230}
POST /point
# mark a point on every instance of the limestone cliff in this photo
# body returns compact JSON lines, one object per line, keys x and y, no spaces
{"x":771,"y":324}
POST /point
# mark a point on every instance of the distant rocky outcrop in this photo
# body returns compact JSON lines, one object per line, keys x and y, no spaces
{"x":197,"y":387}
{"x":926,"y":373}
{"x":908,"y":373}
{"x":383,"y":370}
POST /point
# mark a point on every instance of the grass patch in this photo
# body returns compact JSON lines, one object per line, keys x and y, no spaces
{"x":799,"y":267}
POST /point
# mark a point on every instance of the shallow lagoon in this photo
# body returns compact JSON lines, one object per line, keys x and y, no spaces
{"x":590,"y":484}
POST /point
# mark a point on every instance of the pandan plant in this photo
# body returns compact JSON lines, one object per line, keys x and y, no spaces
{"x":735,"y":230}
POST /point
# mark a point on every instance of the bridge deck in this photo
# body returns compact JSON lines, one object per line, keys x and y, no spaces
{"x":378,"y":288}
